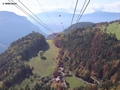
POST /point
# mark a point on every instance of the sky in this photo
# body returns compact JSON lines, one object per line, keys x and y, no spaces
{"x":39,"y":6}
{"x":61,"y":5}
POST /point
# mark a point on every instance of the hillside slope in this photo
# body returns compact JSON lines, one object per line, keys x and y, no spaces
{"x":111,"y":27}
{"x":43,"y":68}
{"x":12,"y":62}
{"x":12,"y":27}
{"x":91,"y":53}
{"x":79,"y":25}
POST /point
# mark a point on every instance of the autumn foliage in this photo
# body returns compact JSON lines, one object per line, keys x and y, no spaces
{"x":91,"y":52}
{"x":12,"y":61}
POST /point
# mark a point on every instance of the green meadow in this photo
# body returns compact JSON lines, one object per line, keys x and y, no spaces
{"x":42,"y":67}
{"x":74,"y":82}
{"x":45,"y":66}
{"x":113,"y":28}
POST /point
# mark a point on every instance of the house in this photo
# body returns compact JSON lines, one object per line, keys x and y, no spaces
{"x":61,"y":69}
{"x":57,"y":79}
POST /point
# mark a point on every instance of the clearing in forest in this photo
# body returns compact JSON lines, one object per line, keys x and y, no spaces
{"x":74,"y":82}
{"x":45,"y":66}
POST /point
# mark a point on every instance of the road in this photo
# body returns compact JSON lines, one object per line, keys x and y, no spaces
{"x":95,"y":80}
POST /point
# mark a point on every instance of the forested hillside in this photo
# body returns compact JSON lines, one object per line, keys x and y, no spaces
{"x":91,"y":53}
{"x":79,"y":25}
{"x":12,"y":62}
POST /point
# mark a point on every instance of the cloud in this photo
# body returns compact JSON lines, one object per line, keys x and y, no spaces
{"x":67,"y":6}
{"x":114,"y":7}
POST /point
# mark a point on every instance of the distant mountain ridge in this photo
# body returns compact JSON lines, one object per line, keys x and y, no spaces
{"x":95,"y":17}
{"x":63,"y":19}
{"x":13,"y":26}
{"x":79,"y":25}
{"x":52,"y":36}
{"x":100,"y":17}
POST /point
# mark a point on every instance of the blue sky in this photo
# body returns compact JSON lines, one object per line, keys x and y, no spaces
{"x":62,"y":5}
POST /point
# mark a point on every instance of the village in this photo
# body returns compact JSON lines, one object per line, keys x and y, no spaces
{"x":59,"y":81}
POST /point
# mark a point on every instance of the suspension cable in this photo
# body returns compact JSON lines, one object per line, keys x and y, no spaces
{"x":84,"y":10}
{"x":21,"y":9}
{"x":81,"y":14}
{"x":35,"y":16}
{"x":74,"y":12}
{"x":81,"y":11}
{"x":46,"y":13}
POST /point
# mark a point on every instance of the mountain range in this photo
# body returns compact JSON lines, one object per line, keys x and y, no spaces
{"x":98,"y":16}
{"x":12,"y":27}
{"x":59,"y":21}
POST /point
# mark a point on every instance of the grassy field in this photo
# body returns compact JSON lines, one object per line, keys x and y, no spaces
{"x":113,"y":28}
{"x":74,"y":82}
{"x":41,"y":67}
{"x":44,"y":67}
